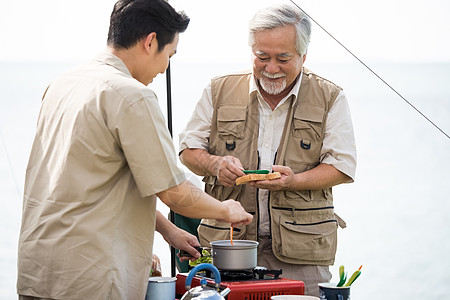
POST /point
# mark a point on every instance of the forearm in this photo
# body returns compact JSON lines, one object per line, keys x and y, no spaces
{"x":199,"y":161}
{"x":321,"y":177}
{"x":226,"y":168}
{"x":190,"y":201}
{"x":163,"y":225}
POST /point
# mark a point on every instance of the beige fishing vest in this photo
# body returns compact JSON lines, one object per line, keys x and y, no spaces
{"x":303,"y":224}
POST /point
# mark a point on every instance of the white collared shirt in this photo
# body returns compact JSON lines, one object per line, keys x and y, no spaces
{"x":338,"y":148}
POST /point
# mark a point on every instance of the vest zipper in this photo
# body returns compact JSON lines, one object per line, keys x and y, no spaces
{"x":310,"y":224}
{"x":257,"y":199}
{"x":302,"y":209}
{"x":270,"y":217}
{"x":220,"y":228}
{"x":268,"y":202}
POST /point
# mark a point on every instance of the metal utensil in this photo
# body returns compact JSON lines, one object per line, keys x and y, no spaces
{"x":184,"y":253}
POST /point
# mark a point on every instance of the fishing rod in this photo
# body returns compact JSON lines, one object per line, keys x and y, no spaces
{"x":169,"y":126}
{"x":372,"y":71}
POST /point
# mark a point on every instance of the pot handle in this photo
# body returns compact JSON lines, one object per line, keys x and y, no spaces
{"x":184,"y":253}
{"x":204,"y":266}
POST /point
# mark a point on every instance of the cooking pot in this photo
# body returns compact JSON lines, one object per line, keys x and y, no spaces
{"x":203,"y":291}
{"x":242,"y":255}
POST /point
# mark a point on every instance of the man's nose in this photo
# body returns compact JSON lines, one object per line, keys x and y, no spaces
{"x":272,"y":67}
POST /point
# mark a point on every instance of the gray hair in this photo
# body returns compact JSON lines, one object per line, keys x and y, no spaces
{"x":278,"y":16}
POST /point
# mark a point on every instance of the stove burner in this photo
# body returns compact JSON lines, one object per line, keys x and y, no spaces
{"x":260,"y":272}
{"x":236,"y":275}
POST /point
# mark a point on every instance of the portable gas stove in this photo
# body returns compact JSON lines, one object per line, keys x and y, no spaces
{"x":258,"y":283}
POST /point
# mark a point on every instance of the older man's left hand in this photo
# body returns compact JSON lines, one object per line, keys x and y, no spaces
{"x":280,"y":184}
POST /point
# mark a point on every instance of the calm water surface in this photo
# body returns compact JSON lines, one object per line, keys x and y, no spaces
{"x":396,"y":211}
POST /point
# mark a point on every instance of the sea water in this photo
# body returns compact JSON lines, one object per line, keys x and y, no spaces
{"x":397,"y":211}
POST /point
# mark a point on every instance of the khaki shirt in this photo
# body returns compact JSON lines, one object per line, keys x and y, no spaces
{"x":101,"y":153}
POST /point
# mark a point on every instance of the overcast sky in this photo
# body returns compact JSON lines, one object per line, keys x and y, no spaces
{"x":383,"y":30}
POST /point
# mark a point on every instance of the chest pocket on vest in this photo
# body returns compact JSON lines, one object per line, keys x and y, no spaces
{"x":308,"y":122}
{"x":231,"y":121}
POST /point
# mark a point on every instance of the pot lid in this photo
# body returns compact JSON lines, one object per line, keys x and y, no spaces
{"x":237,"y":244}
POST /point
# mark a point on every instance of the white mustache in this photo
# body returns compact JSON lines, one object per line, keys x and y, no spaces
{"x":273,"y":76}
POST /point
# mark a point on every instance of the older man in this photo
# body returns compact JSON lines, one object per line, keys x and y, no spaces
{"x":280,"y":117}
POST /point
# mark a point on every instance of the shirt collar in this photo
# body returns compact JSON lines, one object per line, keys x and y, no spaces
{"x":253,"y":88}
{"x":110,"y":59}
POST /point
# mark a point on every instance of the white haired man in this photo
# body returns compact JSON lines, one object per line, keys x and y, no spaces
{"x":280,"y":117}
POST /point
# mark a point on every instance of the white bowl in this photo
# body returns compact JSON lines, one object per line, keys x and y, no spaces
{"x":293,"y":297}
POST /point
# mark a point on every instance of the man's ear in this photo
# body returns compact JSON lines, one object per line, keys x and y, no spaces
{"x":150,"y":42}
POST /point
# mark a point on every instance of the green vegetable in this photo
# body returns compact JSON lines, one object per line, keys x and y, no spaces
{"x":205,"y":258}
{"x":342,"y":276}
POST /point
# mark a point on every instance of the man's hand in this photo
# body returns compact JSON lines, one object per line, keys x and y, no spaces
{"x":236,"y":215}
{"x":183,"y":240}
{"x":177,"y":237}
{"x":320,"y":177}
{"x":280,"y":184}
{"x":188,"y":200}
{"x":227,"y":169}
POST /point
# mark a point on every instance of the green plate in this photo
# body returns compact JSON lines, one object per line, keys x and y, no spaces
{"x":256,"y":171}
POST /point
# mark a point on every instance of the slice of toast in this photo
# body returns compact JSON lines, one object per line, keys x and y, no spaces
{"x":253,"y":177}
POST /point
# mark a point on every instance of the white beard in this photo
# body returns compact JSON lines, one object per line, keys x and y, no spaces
{"x":272,"y":88}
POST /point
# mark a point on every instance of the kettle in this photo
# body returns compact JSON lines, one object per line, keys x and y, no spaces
{"x":203,"y":291}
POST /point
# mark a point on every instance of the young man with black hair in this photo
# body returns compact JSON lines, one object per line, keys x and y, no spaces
{"x":101,"y":156}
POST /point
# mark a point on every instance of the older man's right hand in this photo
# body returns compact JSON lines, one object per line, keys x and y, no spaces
{"x":235,"y":214}
{"x":228,"y":168}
